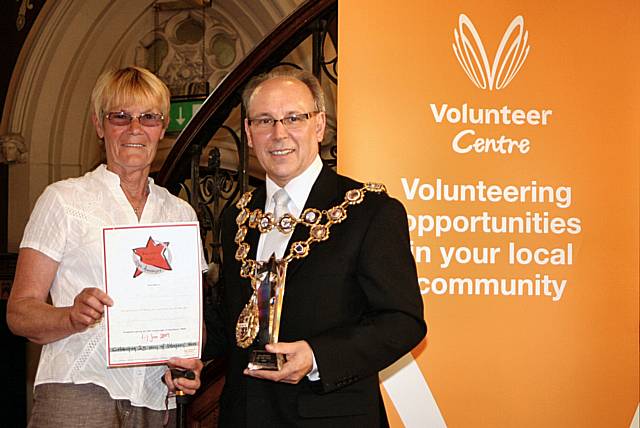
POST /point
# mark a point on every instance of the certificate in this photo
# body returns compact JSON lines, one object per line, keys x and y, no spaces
{"x":153,"y":274}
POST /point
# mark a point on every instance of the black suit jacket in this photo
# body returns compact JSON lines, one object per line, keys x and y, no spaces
{"x":354,"y":299}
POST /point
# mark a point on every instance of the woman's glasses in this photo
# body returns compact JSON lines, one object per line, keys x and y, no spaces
{"x":120,"y":118}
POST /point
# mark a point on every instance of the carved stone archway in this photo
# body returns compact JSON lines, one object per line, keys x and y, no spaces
{"x":70,"y":44}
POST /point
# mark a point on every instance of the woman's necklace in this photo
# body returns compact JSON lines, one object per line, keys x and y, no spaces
{"x":137,"y":208}
{"x":319,"y":223}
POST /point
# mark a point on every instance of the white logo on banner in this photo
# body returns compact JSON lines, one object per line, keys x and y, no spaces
{"x":473,"y":58}
{"x":411,"y":395}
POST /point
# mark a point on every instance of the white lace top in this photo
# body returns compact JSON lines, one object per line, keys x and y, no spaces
{"x":66,"y":225}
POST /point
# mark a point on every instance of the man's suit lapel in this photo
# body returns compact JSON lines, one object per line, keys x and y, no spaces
{"x":253,"y":235}
{"x":323,"y":195}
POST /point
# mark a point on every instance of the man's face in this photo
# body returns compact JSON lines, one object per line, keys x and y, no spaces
{"x":284,"y":153}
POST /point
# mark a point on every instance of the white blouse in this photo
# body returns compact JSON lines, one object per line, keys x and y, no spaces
{"x":66,"y":226}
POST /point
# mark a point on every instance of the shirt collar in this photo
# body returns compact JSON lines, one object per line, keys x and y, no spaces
{"x":298,"y":188}
{"x":112,"y":179}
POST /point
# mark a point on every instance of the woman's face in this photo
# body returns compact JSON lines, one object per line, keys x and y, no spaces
{"x":130,"y":146}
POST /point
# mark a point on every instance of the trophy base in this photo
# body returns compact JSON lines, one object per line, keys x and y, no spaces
{"x":263,"y":360}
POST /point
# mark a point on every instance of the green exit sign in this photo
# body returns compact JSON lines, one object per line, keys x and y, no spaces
{"x":181,"y":113}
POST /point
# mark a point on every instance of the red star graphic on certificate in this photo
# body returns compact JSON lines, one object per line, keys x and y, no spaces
{"x":152,"y":257}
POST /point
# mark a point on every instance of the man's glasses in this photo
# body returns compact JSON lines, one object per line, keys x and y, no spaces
{"x":294,"y":121}
{"x":120,"y":118}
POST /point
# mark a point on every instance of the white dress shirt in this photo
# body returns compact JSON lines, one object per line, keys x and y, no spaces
{"x":298,"y":189}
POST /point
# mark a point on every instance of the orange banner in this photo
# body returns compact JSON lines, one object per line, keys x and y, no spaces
{"x":511,"y":132}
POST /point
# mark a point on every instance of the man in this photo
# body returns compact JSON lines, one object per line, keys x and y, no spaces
{"x":352,"y":305}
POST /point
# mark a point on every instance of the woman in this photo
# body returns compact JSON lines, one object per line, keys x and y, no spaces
{"x":60,"y":254}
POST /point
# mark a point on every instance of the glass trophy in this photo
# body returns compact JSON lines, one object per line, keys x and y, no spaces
{"x":270,"y":294}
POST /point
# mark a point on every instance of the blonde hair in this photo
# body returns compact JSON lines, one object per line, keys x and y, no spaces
{"x":130,"y":85}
